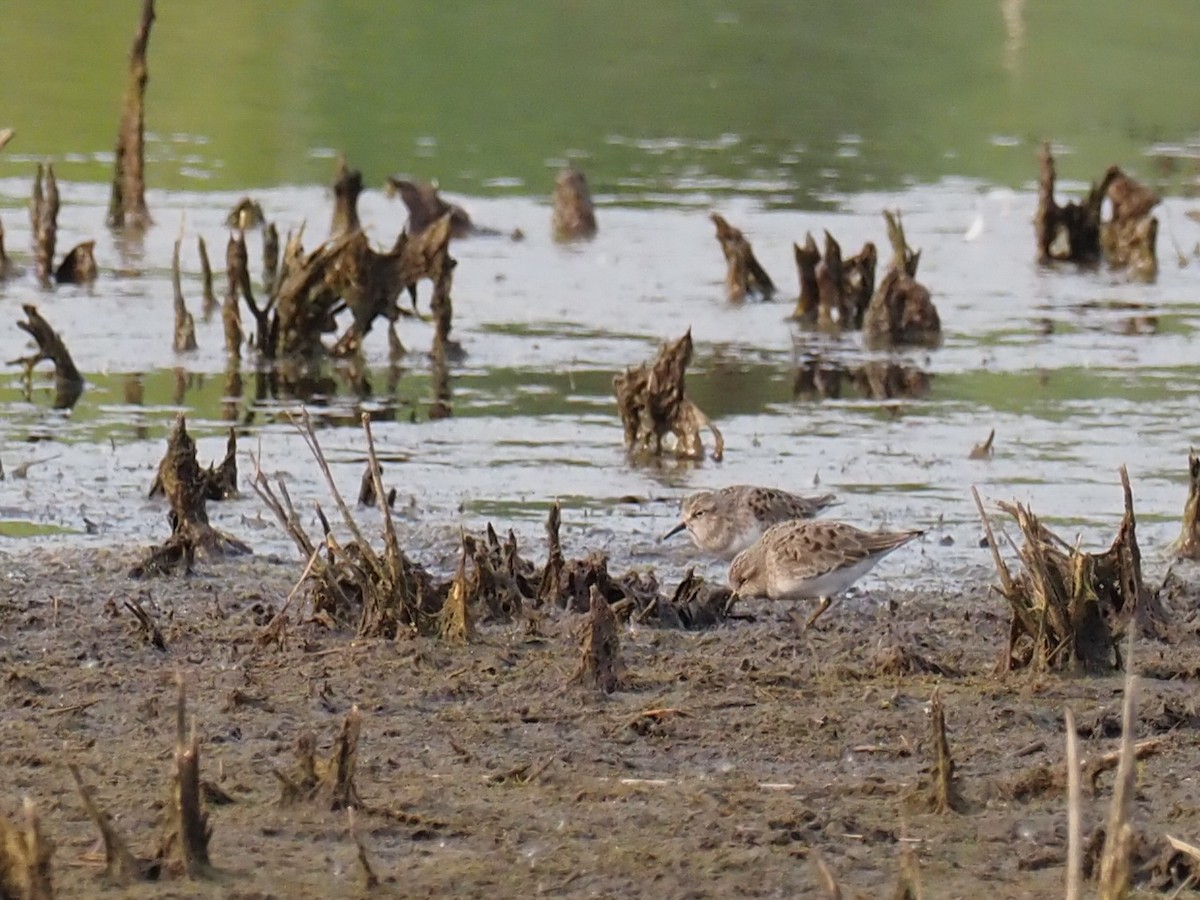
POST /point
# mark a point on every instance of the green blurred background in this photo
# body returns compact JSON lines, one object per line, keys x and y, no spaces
{"x":798,"y":99}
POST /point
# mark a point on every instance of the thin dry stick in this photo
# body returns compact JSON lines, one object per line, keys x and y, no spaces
{"x":1118,"y":835}
{"x":1074,"y":814}
{"x":1001,"y":568}
{"x":832,"y":889}
{"x":305,"y":427}
{"x":389,"y":527}
{"x":119,"y":864}
{"x":312,"y":559}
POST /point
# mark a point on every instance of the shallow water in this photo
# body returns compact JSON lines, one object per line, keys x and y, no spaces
{"x":1041,"y":356}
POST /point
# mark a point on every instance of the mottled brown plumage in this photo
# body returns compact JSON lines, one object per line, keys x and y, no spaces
{"x":810,"y":560}
{"x":727,"y":521}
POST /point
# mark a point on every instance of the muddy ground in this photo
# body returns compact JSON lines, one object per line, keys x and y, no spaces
{"x":483,"y":773}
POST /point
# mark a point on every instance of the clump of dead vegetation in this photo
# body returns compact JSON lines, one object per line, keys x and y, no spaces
{"x":1070,"y":608}
{"x":187,"y":488}
{"x":834,"y":292}
{"x":1187,"y":546}
{"x":901,"y":311}
{"x":1077,"y":232}
{"x":653,"y":402}
{"x":382,"y":593}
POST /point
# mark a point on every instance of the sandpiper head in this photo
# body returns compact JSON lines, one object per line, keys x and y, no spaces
{"x":707,"y":520}
{"x":743,"y":575}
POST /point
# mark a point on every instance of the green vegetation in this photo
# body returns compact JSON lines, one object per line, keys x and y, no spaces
{"x":821,"y":97}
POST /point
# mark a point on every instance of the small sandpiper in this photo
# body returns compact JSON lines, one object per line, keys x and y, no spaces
{"x":727,"y":521}
{"x":811,"y":560}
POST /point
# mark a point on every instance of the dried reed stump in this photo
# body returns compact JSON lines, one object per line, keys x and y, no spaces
{"x":347,"y":185}
{"x":901,"y":311}
{"x":574,"y":213}
{"x":744,"y":277}
{"x":1076,"y":233}
{"x":943,"y":788}
{"x":426,"y":207}
{"x":324,"y":781}
{"x":456,"y":624}
{"x":68,"y":383}
{"x":127,"y":202}
{"x":653,"y":403}
{"x":25,"y":853}
{"x":184,"y":340}
{"x":1070,"y":608}
{"x":549,"y":586}
{"x":79,"y":265}
{"x":43,"y":216}
{"x":600,"y":664}
{"x":188,"y":831}
{"x":1187,"y":546}
{"x":1129,"y":239}
{"x":186,"y":487}
{"x":834,"y":292}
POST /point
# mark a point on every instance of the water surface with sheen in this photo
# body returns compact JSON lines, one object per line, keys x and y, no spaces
{"x":784,"y":122}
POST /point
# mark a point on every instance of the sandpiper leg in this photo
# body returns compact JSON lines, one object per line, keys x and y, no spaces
{"x":825,"y":603}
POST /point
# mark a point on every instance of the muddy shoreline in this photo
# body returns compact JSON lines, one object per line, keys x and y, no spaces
{"x":732,"y":759}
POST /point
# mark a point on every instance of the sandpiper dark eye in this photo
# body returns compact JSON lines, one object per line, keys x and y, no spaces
{"x":697,"y":514}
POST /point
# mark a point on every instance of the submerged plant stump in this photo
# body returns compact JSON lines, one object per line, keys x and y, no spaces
{"x":1076,"y":233}
{"x":426,"y":207}
{"x":1070,"y":608}
{"x":184,"y":340}
{"x":79,"y":265}
{"x":1130,"y":238}
{"x":127,"y":202}
{"x":347,"y":185}
{"x":574,"y":213}
{"x":834,"y":292}
{"x":1187,"y":546}
{"x":43,"y":215}
{"x":68,"y":383}
{"x":186,"y":488}
{"x":901,"y":311}
{"x":744,"y":277}
{"x":653,"y":403}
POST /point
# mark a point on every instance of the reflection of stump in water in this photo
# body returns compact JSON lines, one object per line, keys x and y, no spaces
{"x":1076,"y":233}
{"x":574,"y":213}
{"x":68,"y":384}
{"x":127,"y":202}
{"x":1187,"y":546}
{"x":816,"y":378}
{"x":901,"y":311}
{"x":186,"y":487}
{"x":425,"y":207}
{"x":1070,"y":608}
{"x":744,"y":277}
{"x":653,"y":403}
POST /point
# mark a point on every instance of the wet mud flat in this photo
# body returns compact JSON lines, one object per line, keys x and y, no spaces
{"x":729,"y":762}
